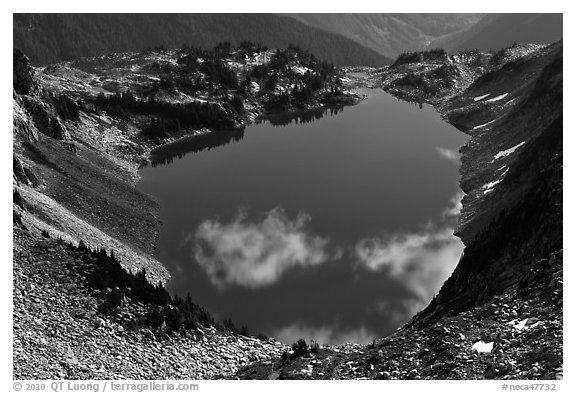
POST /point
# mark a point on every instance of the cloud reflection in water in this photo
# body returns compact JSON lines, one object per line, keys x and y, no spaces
{"x":449,"y":154}
{"x":256,"y":254}
{"x":420,"y":261}
{"x":326,"y":334}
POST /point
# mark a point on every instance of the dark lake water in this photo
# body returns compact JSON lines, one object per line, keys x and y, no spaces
{"x":335,"y":225}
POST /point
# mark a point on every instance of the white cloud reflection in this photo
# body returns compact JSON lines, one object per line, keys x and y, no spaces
{"x":325,"y":334}
{"x":449,"y":154}
{"x":256,"y":254}
{"x":455,"y":206}
{"x":420,"y":261}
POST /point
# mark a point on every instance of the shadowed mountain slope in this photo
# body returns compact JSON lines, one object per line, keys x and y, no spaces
{"x":391,"y":34}
{"x":50,"y":38}
{"x":497,"y":31}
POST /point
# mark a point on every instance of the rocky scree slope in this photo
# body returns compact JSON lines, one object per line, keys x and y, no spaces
{"x":63,"y":175}
{"x":78,"y":315}
{"x":500,"y":313}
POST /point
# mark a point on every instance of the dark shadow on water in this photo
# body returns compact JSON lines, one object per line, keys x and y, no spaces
{"x":164,"y":155}
{"x":414,"y":102}
{"x":303,"y":116}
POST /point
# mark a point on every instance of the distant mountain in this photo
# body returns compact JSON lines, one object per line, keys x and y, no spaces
{"x":50,"y":38}
{"x":391,"y":34}
{"x":497,"y":31}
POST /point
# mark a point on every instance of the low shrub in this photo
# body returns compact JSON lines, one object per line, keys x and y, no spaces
{"x":299,"y":348}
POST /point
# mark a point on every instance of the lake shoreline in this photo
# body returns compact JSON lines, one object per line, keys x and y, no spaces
{"x":201,"y":190}
{"x":438,"y":344}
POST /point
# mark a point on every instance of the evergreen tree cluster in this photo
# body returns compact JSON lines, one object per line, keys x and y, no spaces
{"x":66,"y":108}
{"x":172,"y":313}
{"x":208,"y":71}
{"x":168,"y":117}
{"x":248,"y":48}
{"x":432,"y":82}
{"x":417,"y":57}
{"x":211,"y":63}
{"x":165,"y":154}
{"x":320,"y":75}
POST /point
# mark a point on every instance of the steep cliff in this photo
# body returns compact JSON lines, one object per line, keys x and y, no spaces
{"x":512,"y":176}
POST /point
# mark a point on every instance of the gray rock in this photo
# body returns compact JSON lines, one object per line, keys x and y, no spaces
{"x":23,"y":74}
{"x":45,"y":118}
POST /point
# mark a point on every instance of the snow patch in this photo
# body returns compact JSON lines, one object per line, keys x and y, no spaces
{"x":261,"y":58}
{"x":507,"y":152}
{"x":234,"y":64}
{"x":300,"y":70}
{"x":483,"y":347}
{"x":481,"y":97}
{"x":527,"y":323}
{"x":484,"y":125}
{"x":498,"y":98}
{"x":489,"y":187}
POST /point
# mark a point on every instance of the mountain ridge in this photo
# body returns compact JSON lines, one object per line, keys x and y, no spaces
{"x":496,"y":31}
{"x":50,"y":38}
{"x":390,"y":34}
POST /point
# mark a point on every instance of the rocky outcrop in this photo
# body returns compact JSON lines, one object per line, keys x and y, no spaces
{"x":23,"y":74}
{"x":45,"y":118}
{"x":512,"y":176}
{"x":23,"y":174}
{"x":27,"y":99}
{"x":23,"y":126}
